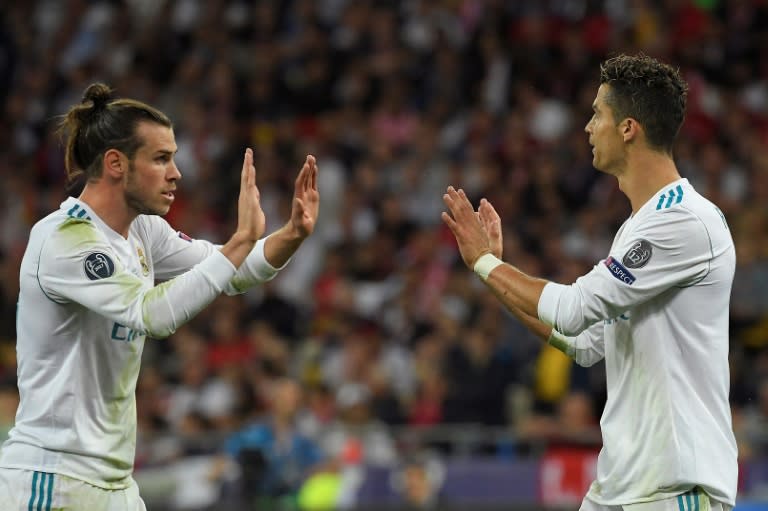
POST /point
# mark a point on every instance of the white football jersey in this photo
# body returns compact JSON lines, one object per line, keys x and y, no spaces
{"x":657,"y":310}
{"x":87,"y":301}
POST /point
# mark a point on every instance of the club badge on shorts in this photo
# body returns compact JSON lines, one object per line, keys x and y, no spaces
{"x":98,"y":265}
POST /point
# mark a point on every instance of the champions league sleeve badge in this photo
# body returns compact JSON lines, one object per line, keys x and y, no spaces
{"x":98,"y":265}
{"x":638,"y":254}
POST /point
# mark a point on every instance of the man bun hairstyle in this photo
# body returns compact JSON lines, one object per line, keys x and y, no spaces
{"x":101,"y":122}
{"x":98,"y":94}
{"x":649,"y":91}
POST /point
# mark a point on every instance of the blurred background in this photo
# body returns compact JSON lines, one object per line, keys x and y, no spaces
{"x":376,"y":372}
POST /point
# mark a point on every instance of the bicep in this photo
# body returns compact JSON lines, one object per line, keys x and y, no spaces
{"x":173,"y":252}
{"x":655,"y":258}
{"x":92,"y":276}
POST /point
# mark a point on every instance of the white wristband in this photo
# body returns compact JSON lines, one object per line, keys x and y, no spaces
{"x":559,"y":341}
{"x":485,"y":264}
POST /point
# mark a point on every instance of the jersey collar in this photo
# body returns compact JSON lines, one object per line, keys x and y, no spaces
{"x":75,"y":208}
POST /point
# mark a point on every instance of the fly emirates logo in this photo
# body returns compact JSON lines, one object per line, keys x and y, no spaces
{"x":123,"y":333}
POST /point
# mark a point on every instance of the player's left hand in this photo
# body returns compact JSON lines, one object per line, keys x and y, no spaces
{"x":492,"y":224}
{"x":466,"y":226}
{"x":306,"y":199}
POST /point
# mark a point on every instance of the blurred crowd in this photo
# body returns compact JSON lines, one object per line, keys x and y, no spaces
{"x":375,"y":322}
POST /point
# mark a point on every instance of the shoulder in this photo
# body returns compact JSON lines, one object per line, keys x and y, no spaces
{"x":672,"y":196}
{"x":64,"y":233}
{"x":683,"y":222}
{"x":153,"y":227}
{"x":149,"y":223}
{"x":680,"y":202}
{"x":66,"y":240}
{"x":71,"y":250}
{"x":668,"y":227}
{"x":678,"y":207}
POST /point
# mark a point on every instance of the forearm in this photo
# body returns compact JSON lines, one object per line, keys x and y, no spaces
{"x":585,"y":349}
{"x":536,"y":326}
{"x":164,"y":308}
{"x":280,"y":246}
{"x":518,"y":292}
{"x":237,"y":249}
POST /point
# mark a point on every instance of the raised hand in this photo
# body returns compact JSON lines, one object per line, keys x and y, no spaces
{"x":467,"y":227}
{"x":306,"y":199}
{"x":492,"y":223}
{"x":251,"y":222}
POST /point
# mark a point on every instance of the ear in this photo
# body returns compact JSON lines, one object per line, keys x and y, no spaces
{"x":630,"y":129}
{"x":115,"y":164}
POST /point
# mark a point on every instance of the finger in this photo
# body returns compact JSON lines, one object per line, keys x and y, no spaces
{"x":459,"y":196}
{"x":465,"y":200}
{"x":450,"y":222}
{"x":489,"y":212}
{"x":484,"y":212}
{"x":302,"y":179}
{"x":250,"y":174}
{"x":492,"y":210}
{"x":459,"y":203}
{"x":448,"y":200}
{"x":313,"y":171}
{"x":494,"y":227}
{"x":247,"y":160}
{"x":483,"y":218}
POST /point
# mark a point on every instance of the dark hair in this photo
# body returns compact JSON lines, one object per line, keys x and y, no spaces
{"x":649,"y":91}
{"x":100,"y":123}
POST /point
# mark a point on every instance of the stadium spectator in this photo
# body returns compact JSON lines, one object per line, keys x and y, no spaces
{"x":275,"y":457}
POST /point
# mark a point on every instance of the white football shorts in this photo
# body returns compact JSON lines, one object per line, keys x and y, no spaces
{"x":27,"y":490}
{"x":693,"y":500}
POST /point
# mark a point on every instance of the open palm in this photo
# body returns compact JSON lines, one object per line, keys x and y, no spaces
{"x":492,"y":223}
{"x":306,"y":199}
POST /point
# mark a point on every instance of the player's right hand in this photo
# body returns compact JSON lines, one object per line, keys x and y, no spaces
{"x":251,"y":222}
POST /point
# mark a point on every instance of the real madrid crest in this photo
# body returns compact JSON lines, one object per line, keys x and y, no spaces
{"x":143,"y":262}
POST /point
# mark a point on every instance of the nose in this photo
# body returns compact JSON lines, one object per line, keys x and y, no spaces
{"x":175,"y":173}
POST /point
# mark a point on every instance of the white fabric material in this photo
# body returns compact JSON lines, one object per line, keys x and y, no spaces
{"x":485,"y":264}
{"x":692,"y":500}
{"x":22,"y":490}
{"x":87,"y":301}
{"x":657,"y":310}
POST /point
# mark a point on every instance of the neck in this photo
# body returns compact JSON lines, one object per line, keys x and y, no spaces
{"x":109,"y":205}
{"x":646,"y":174}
